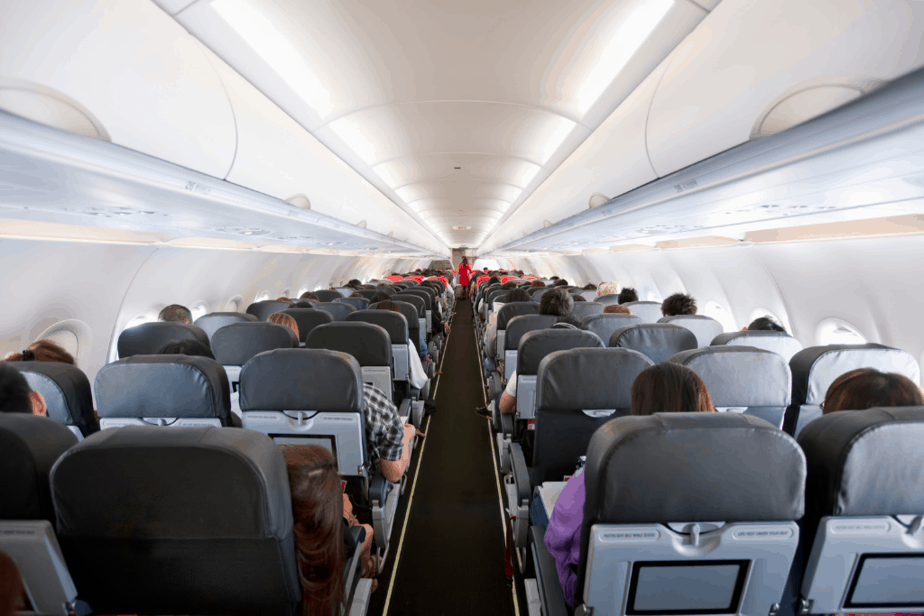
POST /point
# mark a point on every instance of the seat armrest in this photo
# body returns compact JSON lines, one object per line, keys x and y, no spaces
{"x":404,"y":410}
{"x":506,"y":423}
{"x":550,"y":592}
{"x":379,"y":489}
{"x":520,"y":474}
{"x":353,"y":543}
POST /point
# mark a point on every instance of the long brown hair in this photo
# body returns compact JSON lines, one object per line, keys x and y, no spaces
{"x":669,"y":388}
{"x":43,"y":350}
{"x":317,"y":509}
{"x":865,"y":388}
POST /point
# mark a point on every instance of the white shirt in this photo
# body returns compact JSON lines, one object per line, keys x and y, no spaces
{"x":418,"y":375}
{"x":511,"y":389}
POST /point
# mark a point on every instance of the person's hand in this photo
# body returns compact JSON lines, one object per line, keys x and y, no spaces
{"x":416,"y":431}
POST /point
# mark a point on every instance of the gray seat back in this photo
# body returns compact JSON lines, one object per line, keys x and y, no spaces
{"x":337,"y":310}
{"x":263,"y":309}
{"x":414,"y":300}
{"x":649,"y":312}
{"x":703,"y":327}
{"x":396,"y":325}
{"x":233,"y":345}
{"x":370,"y":293}
{"x":309,"y":318}
{"x":514,"y":309}
{"x":328,"y":295}
{"x":605,"y":324}
{"x":359,"y":303}
{"x":582,"y":310}
{"x":67,"y":393}
{"x":368,"y":343}
{"x":607,"y":300}
{"x":743,"y":380}
{"x":658,"y":341}
{"x":212,"y":322}
{"x":517,"y":327}
{"x":780,"y":343}
{"x":149,"y":338}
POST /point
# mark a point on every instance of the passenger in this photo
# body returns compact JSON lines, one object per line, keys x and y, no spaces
{"x":285,"y":299}
{"x":387,"y":439}
{"x":15,"y":394}
{"x":174,"y":313}
{"x":280,"y":318}
{"x":866,"y":388}
{"x":536,"y":284}
{"x":578,"y":297}
{"x":190,"y":347}
{"x":616,"y":309}
{"x":627,"y":295}
{"x":678,"y":304}
{"x":43,"y":350}
{"x":354,"y":294}
{"x":765,"y":324}
{"x":418,"y":375}
{"x":561,"y":282}
{"x":662,"y":388}
{"x":381,"y":296}
{"x":607,"y":288}
{"x":11,"y":589}
{"x":309,"y":296}
{"x":590,"y":287}
{"x":354,"y":283}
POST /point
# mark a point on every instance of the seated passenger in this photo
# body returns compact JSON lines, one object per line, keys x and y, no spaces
{"x":356,"y":294}
{"x":765,"y":324}
{"x":678,"y":304}
{"x":189,"y":346}
{"x":590,"y":287}
{"x":285,"y":299}
{"x":43,"y":350}
{"x":627,"y":295}
{"x":866,"y":388}
{"x":561,"y":282}
{"x":308,"y":295}
{"x":537,"y":284}
{"x":381,"y":296}
{"x":174,"y":313}
{"x":418,"y":374}
{"x":616,"y":309}
{"x":662,"y":388}
{"x":15,"y":394}
{"x":280,"y":318}
{"x":607,"y":288}
{"x":388,"y":440}
{"x":578,"y":297}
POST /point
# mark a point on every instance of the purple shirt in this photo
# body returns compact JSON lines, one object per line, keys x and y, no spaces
{"x":563,"y":535}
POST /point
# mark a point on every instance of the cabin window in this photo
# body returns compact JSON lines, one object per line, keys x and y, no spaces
{"x":199,"y":309}
{"x":838,"y":331}
{"x":265,"y":295}
{"x":71,"y":335}
{"x":716,"y":311}
{"x":139,"y":320}
{"x":234,"y":304}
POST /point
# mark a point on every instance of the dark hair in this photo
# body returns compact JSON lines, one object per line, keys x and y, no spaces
{"x":553,"y":278}
{"x":14,"y":391}
{"x":353,"y":283}
{"x":561,"y":282}
{"x":536,"y":284}
{"x":464,"y":259}
{"x":186,"y":347}
{"x":556,"y":302}
{"x":678,"y":304}
{"x":577,"y":297}
{"x":381,"y":296}
{"x":285,"y":299}
{"x":669,"y":388}
{"x":509,"y":285}
{"x":176,"y":314}
{"x":387,"y":304}
{"x":866,"y":388}
{"x":493,"y":280}
{"x":765,"y":324}
{"x":590,"y":287}
{"x":43,"y":350}
{"x":628,"y":294}
{"x":517,"y":295}
{"x":355,"y":294}
{"x":309,"y":295}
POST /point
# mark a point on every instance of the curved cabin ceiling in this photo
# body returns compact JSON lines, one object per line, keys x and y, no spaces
{"x":456,"y":111}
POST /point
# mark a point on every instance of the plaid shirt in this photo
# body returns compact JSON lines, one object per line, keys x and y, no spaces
{"x":384,"y":429}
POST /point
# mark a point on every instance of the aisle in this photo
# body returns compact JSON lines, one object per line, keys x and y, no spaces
{"x":452,"y":560}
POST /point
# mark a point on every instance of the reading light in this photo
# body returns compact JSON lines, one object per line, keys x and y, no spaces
{"x":270,"y":44}
{"x":352,"y":135}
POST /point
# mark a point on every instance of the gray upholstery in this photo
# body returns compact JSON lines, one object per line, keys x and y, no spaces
{"x":264,"y":309}
{"x":519,"y":326}
{"x":393,"y":322}
{"x":387,"y":289}
{"x":29,"y":447}
{"x":359,"y":303}
{"x":582,"y":310}
{"x":234,"y":345}
{"x":815,"y":368}
{"x":149,"y":338}
{"x":307,"y":319}
{"x":414,"y":300}
{"x":66,"y":390}
{"x":780,"y":343}
{"x":649,"y":312}
{"x":369,"y":344}
{"x":605,"y":324}
{"x":328,"y":295}
{"x":658,"y":341}
{"x":412,"y":317}
{"x":607,"y":300}
{"x":536,"y":345}
{"x":515,"y":309}
{"x":186,"y":521}
{"x":371,"y":293}
{"x":703,"y":327}
{"x":338,"y":311}
{"x":163,"y":386}
{"x":212,"y":322}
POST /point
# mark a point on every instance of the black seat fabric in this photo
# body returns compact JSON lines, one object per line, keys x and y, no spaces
{"x":164,"y":386}
{"x":336,"y":310}
{"x":212,"y":322}
{"x":519,"y":326}
{"x":369,"y":344}
{"x":605,"y":324}
{"x":658,"y":341}
{"x":426,"y":294}
{"x":185,"y":521}
{"x":307,"y":319}
{"x":29,"y":447}
{"x":264,"y":309}
{"x":369,"y":293}
{"x":515,"y":309}
{"x":386,"y":289}
{"x":359,"y":303}
{"x":66,"y":390}
{"x":393,"y":322}
{"x":234,"y":344}
{"x":536,"y":345}
{"x":414,"y":300}
{"x":328,"y":295}
{"x":149,"y":338}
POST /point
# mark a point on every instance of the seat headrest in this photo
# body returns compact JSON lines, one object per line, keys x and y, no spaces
{"x":338,"y":311}
{"x":309,"y":318}
{"x":519,"y":326}
{"x":608,"y":299}
{"x":360,"y":303}
{"x":394,"y":323}
{"x":515,"y":309}
{"x":582,"y":310}
{"x":235,"y":344}
{"x":865,"y":463}
{"x":66,"y":390}
{"x":605,"y":324}
{"x":369,"y":344}
{"x":815,"y":368}
{"x":414,"y":300}
{"x":720,"y":467}
{"x":264,"y":309}
{"x":328,"y":295}
{"x":163,"y":386}
{"x":649,"y":312}
{"x":302,"y":380}
{"x":658,"y":341}
{"x":408,"y":311}
{"x":137,"y":483}
{"x":588,"y":379}
{"x":777,"y":342}
{"x":704,"y":328}
{"x":535,"y":345}
{"x":149,"y":338}
{"x":212,"y":322}
{"x":740,"y":376}
{"x":30,"y":445}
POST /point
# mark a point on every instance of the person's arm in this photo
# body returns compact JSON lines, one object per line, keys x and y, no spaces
{"x":392,"y":470}
{"x":508,"y":401}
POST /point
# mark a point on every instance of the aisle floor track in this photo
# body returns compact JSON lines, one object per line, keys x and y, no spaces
{"x":450,"y":555}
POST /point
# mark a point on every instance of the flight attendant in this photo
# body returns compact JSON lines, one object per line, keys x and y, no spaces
{"x":465,"y":271}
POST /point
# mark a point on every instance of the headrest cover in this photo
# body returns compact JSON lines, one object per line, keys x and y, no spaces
{"x":393,"y":322}
{"x":414,"y":300}
{"x":586,"y":309}
{"x":235,"y":344}
{"x":369,"y":344}
{"x":515,"y":309}
{"x":536,"y":345}
{"x":307,"y":319}
{"x":302,"y":380}
{"x":740,"y":376}
{"x":149,"y":338}
{"x":519,"y":326}
{"x":588,"y":379}
{"x":777,"y":342}
{"x":719,"y":466}
{"x":359,"y":303}
{"x":163,"y":386}
{"x":865,"y":463}
{"x":30,"y":446}
{"x":606,"y":300}
{"x":658,"y":341}
{"x":212,"y":322}
{"x":66,"y":390}
{"x":138,"y":483}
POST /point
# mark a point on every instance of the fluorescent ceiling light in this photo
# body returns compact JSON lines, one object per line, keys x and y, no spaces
{"x":387,"y":176}
{"x":276,"y":51}
{"x":554,"y":141}
{"x":406,"y":193}
{"x":352,"y":135}
{"x":627,"y":39}
{"x":527,"y":176}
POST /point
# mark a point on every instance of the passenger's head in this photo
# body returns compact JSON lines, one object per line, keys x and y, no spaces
{"x":189,"y":346}
{"x":281,"y":318}
{"x":765,"y":324}
{"x":517,"y":295}
{"x":354,"y":294}
{"x":556,"y":302}
{"x":317,"y":512}
{"x":616,"y":309}
{"x":577,"y":297}
{"x":354,"y":283}
{"x":388,"y":305}
{"x":678,"y":304}
{"x":43,"y":350}
{"x":561,"y":282}
{"x":381,"y":296}
{"x":174,"y":313}
{"x":590,"y":287}
{"x":309,"y":295}
{"x":285,"y":299}
{"x":15,"y":394}
{"x":866,"y":388}
{"x":669,"y":388}
{"x":628,"y":294}
{"x":509,"y":285}
{"x":536,"y":284}
{"x":553,"y":278}
{"x":493,"y":280}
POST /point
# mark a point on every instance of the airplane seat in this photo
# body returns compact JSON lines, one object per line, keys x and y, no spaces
{"x":388,"y":290}
{"x":176,"y":391}
{"x":303,"y":303}
{"x":589,"y":295}
{"x":358,"y":303}
{"x":233,"y":346}
{"x":649,"y":312}
{"x":369,"y":293}
{"x":536,"y":293}
{"x":367,"y":343}
{"x":421,"y":308}
{"x":338,"y":311}
{"x":504,"y":316}
{"x":517,"y":327}
{"x":149,"y":338}
{"x":658,"y":341}
{"x":424,"y":295}
{"x":67,"y":394}
{"x":410,"y":314}
{"x":864,"y":505}
{"x":704,"y":328}
{"x":815,"y":368}
{"x":742,"y":379}
{"x":721,"y":540}
{"x":309,"y":318}
{"x":212,"y":322}
{"x":188,"y":521}
{"x":264,"y":309}
{"x":582,"y":310}
{"x":607,"y":300}
{"x":780,"y":343}
{"x":605,"y":324}
{"x":329,"y":295}
{"x":410,"y":282}
{"x":29,"y":447}
{"x":344,"y":292}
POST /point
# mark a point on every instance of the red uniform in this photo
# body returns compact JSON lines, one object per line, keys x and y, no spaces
{"x":465,"y":270}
